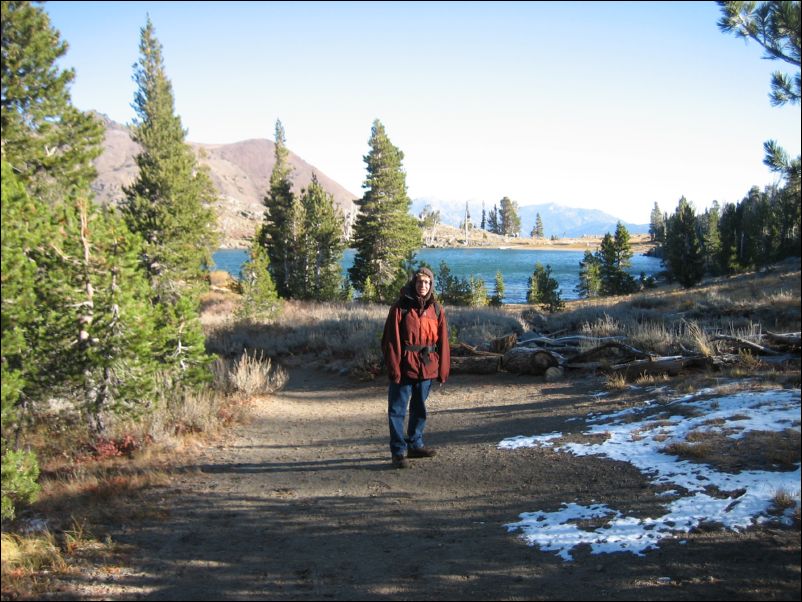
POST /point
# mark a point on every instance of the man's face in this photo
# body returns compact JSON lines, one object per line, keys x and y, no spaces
{"x":422,"y":285}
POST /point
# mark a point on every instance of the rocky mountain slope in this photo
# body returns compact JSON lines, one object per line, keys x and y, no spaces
{"x":240,"y":171}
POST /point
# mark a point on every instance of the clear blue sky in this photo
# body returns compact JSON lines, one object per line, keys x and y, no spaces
{"x":606,"y":105}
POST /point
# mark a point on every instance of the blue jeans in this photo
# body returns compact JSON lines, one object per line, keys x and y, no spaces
{"x":415,"y":393}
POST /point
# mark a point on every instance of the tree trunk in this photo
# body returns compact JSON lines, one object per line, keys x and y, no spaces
{"x":524,"y":360}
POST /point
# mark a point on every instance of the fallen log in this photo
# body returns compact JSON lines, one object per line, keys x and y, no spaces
{"x":791,"y":339}
{"x":463,"y":349}
{"x":524,"y":360}
{"x":476,"y":364}
{"x":744,"y":344}
{"x":631,"y":351}
{"x":574,"y":340}
{"x":671,"y":365}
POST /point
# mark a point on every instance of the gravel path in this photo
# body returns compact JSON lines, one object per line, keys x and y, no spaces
{"x":303,"y":504}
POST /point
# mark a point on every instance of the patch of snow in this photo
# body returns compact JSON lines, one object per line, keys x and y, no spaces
{"x":640,"y":442}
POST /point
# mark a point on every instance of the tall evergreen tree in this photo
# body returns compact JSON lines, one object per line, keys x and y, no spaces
{"x":786,"y":203}
{"x":170,"y":206}
{"x":543,"y":289}
{"x":614,"y":256}
{"x":498,"y":294}
{"x":684,"y":256}
{"x":170,"y":202}
{"x":259,"y":295}
{"x":48,"y":142}
{"x":728,"y":227}
{"x":322,"y":244}
{"x":590,"y":283}
{"x":775,"y":25}
{"x":657,"y":226}
{"x":22,"y":228}
{"x":75,"y":305}
{"x":493,"y":221}
{"x":385,"y":235}
{"x":711,"y":238}
{"x":283,"y":222}
{"x":537,"y":229}
{"x":510,"y":222}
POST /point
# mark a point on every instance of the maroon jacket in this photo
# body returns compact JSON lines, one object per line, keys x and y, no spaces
{"x":409,"y":325}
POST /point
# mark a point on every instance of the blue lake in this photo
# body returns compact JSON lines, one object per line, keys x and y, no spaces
{"x":515,"y":265}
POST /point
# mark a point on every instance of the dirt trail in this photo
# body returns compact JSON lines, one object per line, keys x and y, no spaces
{"x":303,"y":504}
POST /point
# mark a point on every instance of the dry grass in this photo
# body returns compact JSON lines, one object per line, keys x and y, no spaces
{"x":252,"y":374}
{"x":341,"y":337}
{"x":88,"y":482}
{"x":32,"y":562}
{"x":31,"y":553}
{"x":615,"y":381}
{"x":756,"y":450}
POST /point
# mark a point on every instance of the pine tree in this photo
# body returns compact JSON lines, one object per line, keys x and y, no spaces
{"x":169,"y":206}
{"x":543,"y":289}
{"x":657,"y":228}
{"x":70,"y":329}
{"x":728,"y":227}
{"x":20,"y":229}
{"x":170,"y":203}
{"x":498,"y":295}
{"x":322,"y":244}
{"x":684,"y":257}
{"x":48,"y":142}
{"x":775,"y":26}
{"x":385,"y":235}
{"x":259,"y":295}
{"x":493,"y":221}
{"x":283,"y":220}
{"x":537,"y":230}
{"x":510,"y":222}
{"x":590,"y":282}
{"x":711,"y":239}
{"x":614,"y":256}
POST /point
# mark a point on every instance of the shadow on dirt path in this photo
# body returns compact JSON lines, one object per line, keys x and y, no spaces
{"x":302,"y":504}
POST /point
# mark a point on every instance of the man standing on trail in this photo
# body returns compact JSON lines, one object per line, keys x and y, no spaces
{"x":416,"y":351}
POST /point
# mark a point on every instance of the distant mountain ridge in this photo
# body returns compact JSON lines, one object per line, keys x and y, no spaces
{"x":558,"y":220}
{"x":240,"y":171}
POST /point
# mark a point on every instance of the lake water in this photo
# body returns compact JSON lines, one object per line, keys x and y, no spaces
{"x":516,"y":266}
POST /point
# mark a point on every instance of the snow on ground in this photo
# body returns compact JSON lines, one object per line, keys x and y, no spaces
{"x":637,"y":435}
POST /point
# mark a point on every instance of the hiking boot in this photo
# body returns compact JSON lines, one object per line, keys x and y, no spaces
{"x":400,"y":462}
{"x":421,"y":452}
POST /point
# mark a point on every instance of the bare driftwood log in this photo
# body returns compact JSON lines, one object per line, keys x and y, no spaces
{"x":789,"y":339}
{"x":591,"y":353}
{"x":524,"y":360}
{"x":463,"y":349}
{"x":671,"y":365}
{"x":575,"y":340}
{"x":744,"y":344}
{"x":476,"y":364}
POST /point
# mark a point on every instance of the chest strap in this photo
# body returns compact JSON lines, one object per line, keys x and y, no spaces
{"x":424,"y":351}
